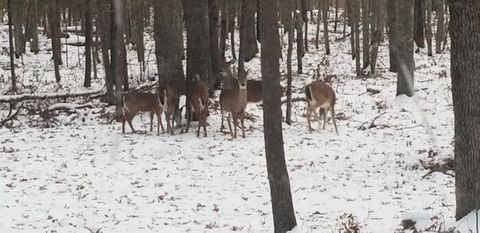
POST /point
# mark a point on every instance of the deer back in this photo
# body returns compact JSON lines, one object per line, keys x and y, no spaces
{"x":142,"y":102}
{"x":318,"y":93}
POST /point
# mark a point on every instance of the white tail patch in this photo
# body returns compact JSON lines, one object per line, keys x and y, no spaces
{"x":310,"y":98}
{"x":125,"y":107}
{"x":200,"y":104}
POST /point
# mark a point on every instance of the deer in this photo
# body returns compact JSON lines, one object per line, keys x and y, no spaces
{"x":135,"y":102}
{"x":320,"y":95}
{"x":170,"y":95}
{"x":233,"y":101}
{"x":227,"y":81}
{"x":198,"y":98}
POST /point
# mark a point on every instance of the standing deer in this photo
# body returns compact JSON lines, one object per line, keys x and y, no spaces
{"x":198,"y":94}
{"x":134,"y":102}
{"x":170,"y":95}
{"x":320,"y":95}
{"x":234,"y":102}
{"x":227,"y":81}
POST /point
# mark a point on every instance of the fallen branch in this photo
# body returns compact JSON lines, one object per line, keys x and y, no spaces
{"x":44,"y":96}
{"x":372,"y":124}
{"x":68,"y":107}
{"x":296,"y":99}
{"x":447,"y":165}
{"x":373,"y":91}
{"x":10,"y":116}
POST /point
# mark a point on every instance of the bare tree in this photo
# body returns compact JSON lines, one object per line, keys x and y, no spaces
{"x":392,"y":13}
{"x":439,"y":36}
{"x":282,"y":206}
{"x":366,"y":32}
{"x":428,"y":31}
{"x":419,"y":21}
{"x":88,"y":44}
{"x":54,"y":24}
{"x":120,"y":60}
{"x":325,"y":8}
{"x":10,"y":39}
{"x":465,"y":67}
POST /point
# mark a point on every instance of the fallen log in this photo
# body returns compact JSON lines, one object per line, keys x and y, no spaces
{"x":45,"y":96}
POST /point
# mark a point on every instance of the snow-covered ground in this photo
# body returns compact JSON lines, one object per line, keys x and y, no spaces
{"x":81,"y":174}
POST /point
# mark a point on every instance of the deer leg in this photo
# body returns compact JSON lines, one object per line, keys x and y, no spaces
{"x":189,"y":120}
{"x":199,"y":118}
{"x":221,"y":114}
{"x":309,"y":112}
{"x":235,"y":118}
{"x":123,"y":124}
{"x":159,"y":121}
{"x":230,"y":125}
{"x":324,"y":117}
{"x":204,"y":125}
{"x":151,"y":121}
{"x":333,"y":119}
{"x":129,"y":120}
{"x":169,"y":125}
{"x":242,"y":118}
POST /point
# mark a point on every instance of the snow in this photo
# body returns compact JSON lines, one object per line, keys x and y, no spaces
{"x":83,"y":173}
{"x":468,"y":223}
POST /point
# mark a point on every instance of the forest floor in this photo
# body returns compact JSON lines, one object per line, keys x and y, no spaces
{"x":76,"y":172}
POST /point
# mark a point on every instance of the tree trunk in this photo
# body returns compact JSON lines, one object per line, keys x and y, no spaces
{"x":352,"y":29}
{"x":17,"y":20}
{"x":319,"y":14}
{"x":392,"y":14}
{"x":34,"y":45}
{"x":247,"y":23}
{"x":10,"y":40}
{"x":103,"y":27}
{"x":120,"y":70}
{"x":377,"y":27}
{"x":404,"y":53}
{"x":288,"y":115}
{"x":214,"y":33}
{"x":336,"y":16}
{"x":304,"y":6}
{"x":54,"y":21}
{"x":325,"y":7}
{"x":440,"y":26}
{"x":419,"y":21}
{"x":223,"y":29}
{"x":282,"y":206}
{"x":428,"y":31}
{"x":168,"y":36}
{"x":138,"y":6}
{"x":198,"y":40}
{"x":465,"y":67}
{"x":366,"y":33}
{"x":88,"y":44}
{"x":356,"y":33}
{"x":300,"y":49}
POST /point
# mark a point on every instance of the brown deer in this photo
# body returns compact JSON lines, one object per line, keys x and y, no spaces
{"x":170,"y":94}
{"x":135,"y":102}
{"x":320,"y":95}
{"x":227,"y":81}
{"x":198,"y":98}
{"x":234,"y":102}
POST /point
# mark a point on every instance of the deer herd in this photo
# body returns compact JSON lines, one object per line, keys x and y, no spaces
{"x":236,"y":93}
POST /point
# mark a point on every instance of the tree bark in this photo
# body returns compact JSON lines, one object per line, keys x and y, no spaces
{"x":17,"y":20}
{"x":168,"y":36}
{"x":223,"y":29}
{"x":405,"y":75}
{"x":282,"y":206}
{"x":288,"y":114}
{"x":34,"y":45}
{"x":356,"y":33}
{"x":214,"y":37}
{"x":377,"y":27}
{"x":465,"y":67}
{"x":120,"y":70}
{"x":247,"y":23}
{"x":88,"y":44}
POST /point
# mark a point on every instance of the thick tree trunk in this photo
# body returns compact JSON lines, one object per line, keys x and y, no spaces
{"x":440,"y":26}
{"x":10,"y":40}
{"x":168,"y":42}
{"x":419,"y":21}
{"x":223,"y":29}
{"x":406,"y":65}
{"x":428,"y":30}
{"x":88,"y":44}
{"x":282,"y":206}
{"x":465,"y":36}
{"x":138,"y":18}
{"x":17,"y":19}
{"x":198,"y":40}
{"x":392,"y":14}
